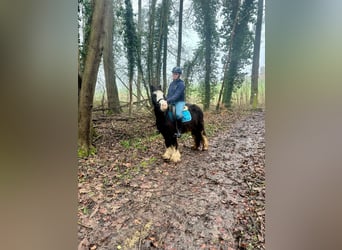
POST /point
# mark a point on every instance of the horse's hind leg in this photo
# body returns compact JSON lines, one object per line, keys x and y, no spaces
{"x":203,"y":136}
{"x":197,"y":140}
{"x":204,"y":140}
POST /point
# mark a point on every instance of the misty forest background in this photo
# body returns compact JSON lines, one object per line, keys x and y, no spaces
{"x":125,"y":46}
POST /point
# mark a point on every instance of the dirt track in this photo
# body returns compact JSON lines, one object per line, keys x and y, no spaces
{"x":210,"y":200}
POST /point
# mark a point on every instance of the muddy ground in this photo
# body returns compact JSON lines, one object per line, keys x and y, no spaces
{"x":129,"y":198}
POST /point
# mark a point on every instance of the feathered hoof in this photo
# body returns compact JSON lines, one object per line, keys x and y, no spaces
{"x":168,"y":153}
{"x":176,"y":157}
{"x":171,"y":154}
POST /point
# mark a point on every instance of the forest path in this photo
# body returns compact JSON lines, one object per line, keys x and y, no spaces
{"x":212,"y":199}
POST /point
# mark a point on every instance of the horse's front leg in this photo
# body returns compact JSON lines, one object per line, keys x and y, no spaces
{"x":172,"y":153}
{"x":168,"y":153}
{"x":176,"y":156}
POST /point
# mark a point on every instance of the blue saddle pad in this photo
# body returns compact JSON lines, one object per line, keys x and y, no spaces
{"x":186,"y":116}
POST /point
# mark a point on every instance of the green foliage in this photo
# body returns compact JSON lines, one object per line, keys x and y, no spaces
{"x":241,"y":97}
{"x":85,"y":210}
{"x":83,"y":152}
{"x":148,"y":162}
{"x":241,"y":43}
{"x":133,"y":143}
{"x":125,"y":143}
{"x":130,"y":37}
{"x":87,"y":13}
{"x":205,"y":13}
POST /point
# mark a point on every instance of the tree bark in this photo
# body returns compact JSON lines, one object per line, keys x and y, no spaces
{"x":180,"y":28}
{"x":140,"y":29}
{"x":207,"y":69}
{"x":108,"y":62}
{"x":208,"y":40}
{"x":92,"y":63}
{"x":150,"y":43}
{"x":165,"y":35}
{"x":256,"y":56}
{"x":229,"y":56}
{"x":159,"y":44}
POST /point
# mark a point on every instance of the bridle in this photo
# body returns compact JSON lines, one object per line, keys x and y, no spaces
{"x":158,"y":102}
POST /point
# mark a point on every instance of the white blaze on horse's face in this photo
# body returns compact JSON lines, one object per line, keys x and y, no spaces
{"x":159,"y":95}
{"x":160,"y":99}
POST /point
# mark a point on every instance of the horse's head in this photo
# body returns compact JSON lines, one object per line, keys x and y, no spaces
{"x":158,"y":98}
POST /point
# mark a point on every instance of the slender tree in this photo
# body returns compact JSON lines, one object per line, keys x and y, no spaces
{"x":92,"y":63}
{"x":205,"y":13}
{"x":180,"y":32}
{"x":240,"y":51}
{"x":256,"y":56}
{"x":233,"y":9}
{"x":85,"y":12}
{"x":159,"y":41}
{"x":108,"y":63}
{"x":140,"y":31}
{"x":166,"y":20}
{"x":188,"y":68}
{"x":139,"y":51}
{"x":150,"y":49}
{"x":131,"y":44}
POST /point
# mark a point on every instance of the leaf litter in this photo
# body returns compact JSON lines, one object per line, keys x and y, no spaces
{"x":129,"y":198}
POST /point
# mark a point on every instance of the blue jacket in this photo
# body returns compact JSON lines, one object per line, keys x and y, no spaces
{"x":176,"y":92}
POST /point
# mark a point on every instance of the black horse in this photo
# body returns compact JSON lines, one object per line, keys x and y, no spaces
{"x":167,"y":126}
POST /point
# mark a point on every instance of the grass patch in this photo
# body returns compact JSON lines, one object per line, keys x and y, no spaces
{"x":137,"y":143}
{"x":83,"y":152}
{"x":148,"y":162}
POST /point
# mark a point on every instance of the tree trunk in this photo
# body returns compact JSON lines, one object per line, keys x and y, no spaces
{"x":139,"y":78}
{"x":165,"y":64}
{"x":256,"y":56}
{"x":150,"y":43}
{"x":158,"y":54}
{"x":180,"y":28}
{"x":236,"y":42}
{"x":162,"y":42}
{"x":90,"y":76}
{"x":108,"y":63}
{"x":226,"y":67}
{"x":165,"y":35}
{"x":205,"y":12}
{"x":130,"y":107}
{"x":79,"y":81}
{"x":208,"y":53}
{"x":207,"y":70}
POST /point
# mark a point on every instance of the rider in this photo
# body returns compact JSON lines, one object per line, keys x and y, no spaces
{"x":176,"y":96}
